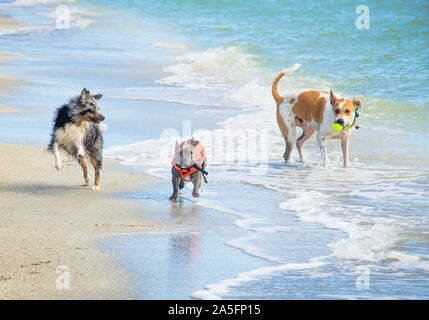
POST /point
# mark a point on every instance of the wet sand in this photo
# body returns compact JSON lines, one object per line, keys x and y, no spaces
{"x":48,"y":220}
{"x":7,"y":82}
{"x":8,"y":23}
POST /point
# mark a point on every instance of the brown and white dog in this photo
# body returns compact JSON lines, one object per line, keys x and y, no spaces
{"x":314,"y":110}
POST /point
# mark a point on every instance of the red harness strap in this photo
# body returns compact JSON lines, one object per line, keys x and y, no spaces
{"x":200,"y":153}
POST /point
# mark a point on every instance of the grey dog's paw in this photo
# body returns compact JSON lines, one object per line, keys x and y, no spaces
{"x":173,"y":197}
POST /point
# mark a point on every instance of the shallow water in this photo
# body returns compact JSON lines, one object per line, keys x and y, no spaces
{"x":288,"y":231}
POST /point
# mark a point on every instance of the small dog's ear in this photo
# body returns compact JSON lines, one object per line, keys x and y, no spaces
{"x":332,"y":97}
{"x":84,"y":96}
{"x":356,"y":104}
{"x":177,"y":147}
{"x":97,"y":96}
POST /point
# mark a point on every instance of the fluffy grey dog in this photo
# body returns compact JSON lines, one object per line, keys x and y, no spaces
{"x":77,"y":131}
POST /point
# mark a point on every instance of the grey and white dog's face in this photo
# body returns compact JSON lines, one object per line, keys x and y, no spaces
{"x":89,"y":110}
{"x":185,"y":155}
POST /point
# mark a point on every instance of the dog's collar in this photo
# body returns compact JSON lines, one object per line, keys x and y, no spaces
{"x":354,"y":120}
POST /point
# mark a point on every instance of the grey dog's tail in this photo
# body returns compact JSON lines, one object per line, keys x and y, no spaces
{"x":276,"y":95}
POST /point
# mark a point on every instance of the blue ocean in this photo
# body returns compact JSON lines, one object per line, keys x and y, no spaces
{"x":262,"y":229}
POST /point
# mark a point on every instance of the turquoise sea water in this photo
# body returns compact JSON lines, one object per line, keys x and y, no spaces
{"x":206,"y":67}
{"x":388,"y":60}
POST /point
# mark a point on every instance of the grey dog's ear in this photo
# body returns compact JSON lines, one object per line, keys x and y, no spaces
{"x":177,"y":147}
{"x":84,"y":96}
{"x":97,"y":96}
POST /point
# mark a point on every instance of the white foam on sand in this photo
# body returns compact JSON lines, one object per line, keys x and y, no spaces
{"x":169,"y":45}
{"x":253,"y":250}
{"x":25,"y":30}
{"x":367,"y":239}
{"x":217,"y":291}
{"x":215,"y":66}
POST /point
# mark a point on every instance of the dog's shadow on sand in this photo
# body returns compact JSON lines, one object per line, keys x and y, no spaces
{"x":39,"y":188}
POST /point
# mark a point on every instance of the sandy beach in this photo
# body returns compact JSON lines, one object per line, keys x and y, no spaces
{"x":49,"y":220}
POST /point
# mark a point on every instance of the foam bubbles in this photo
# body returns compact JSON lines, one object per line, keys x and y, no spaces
{"x":216,"y":291}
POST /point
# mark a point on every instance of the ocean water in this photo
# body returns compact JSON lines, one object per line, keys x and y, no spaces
{"x":172,"y":69}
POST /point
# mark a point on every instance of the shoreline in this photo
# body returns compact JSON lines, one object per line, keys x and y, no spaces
{"x":48,"y":220}
{"x":7,"y":83}
{"x":7,"y":23}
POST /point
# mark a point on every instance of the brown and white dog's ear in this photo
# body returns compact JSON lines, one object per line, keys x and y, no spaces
{"x":356,"y":104}
{"x":84,"y":96}
{"x":332,"y":97}
{"x":97,"y":96}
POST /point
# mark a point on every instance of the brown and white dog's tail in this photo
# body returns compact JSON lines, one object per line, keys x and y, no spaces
{"x":276,"y":95}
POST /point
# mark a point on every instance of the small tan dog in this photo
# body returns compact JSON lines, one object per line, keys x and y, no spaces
{"x":314,"y":110}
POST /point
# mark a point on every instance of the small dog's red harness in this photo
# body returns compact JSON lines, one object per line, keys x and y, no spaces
{"x":200,"y":153}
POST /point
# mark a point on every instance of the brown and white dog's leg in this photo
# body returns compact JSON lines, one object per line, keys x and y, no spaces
{"x":285,"y":133}
{"x":306,"y":134}
{"x":345,"y":147}
{"x":322,"y":145}
{"x":97,"y":174}
{"x":290,"y":142}
{"x":85,"y":170}
{"x":58,"y":161}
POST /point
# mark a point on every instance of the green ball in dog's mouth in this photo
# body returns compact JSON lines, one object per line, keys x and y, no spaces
{"x":337,"y":126}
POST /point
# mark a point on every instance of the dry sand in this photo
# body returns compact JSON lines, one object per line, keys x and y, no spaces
{"x":47,"y":220}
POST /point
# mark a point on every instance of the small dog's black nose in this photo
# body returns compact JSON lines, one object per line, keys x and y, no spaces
{"x":340,"y":121}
